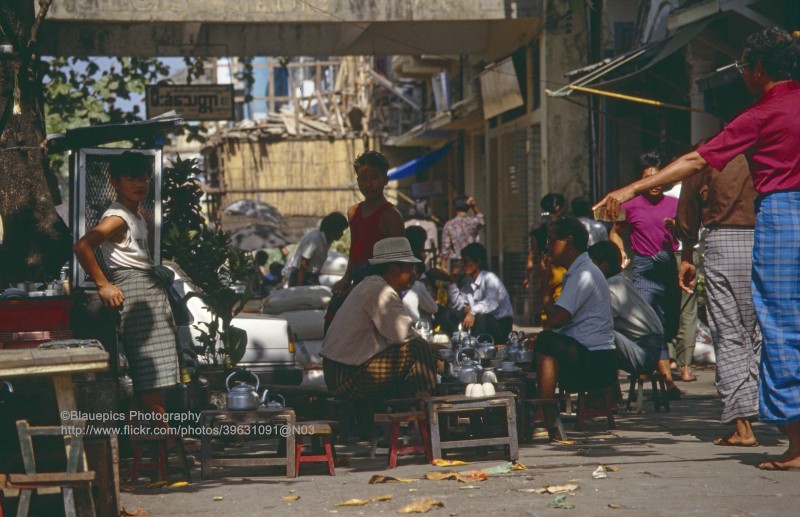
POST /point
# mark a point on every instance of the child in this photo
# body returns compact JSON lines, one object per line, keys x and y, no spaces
{"x":372,"y":220}
{"x":147,"y":330}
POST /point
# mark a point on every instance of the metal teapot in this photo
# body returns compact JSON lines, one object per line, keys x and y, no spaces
{"x":243,"y":397}
{"x":485,"y":346}
{"x":457,"y":341}
{"x":524,"y":355}
{"x":272,"y":404}
{"x":469,"y":369}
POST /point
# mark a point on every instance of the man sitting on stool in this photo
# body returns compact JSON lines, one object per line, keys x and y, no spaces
{"x":638,"y":333}
{"x":579,"y":355}
{"x":371,"y":350}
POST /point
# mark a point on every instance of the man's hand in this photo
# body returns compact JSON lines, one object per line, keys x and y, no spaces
{"x":625,"y":259}
{"x":471,"y":202}
{"x":669,"y":224}
{"x":112,"y":297}
{"x":530,"y":341}
{"x":614,"y":200}
{"x":469,"y":321}
{"x":687,"y":275}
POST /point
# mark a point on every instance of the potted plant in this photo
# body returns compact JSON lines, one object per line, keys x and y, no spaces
{"x":208,"y":258}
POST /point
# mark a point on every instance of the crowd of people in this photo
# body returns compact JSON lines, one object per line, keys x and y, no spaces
{"x":597,"y":320}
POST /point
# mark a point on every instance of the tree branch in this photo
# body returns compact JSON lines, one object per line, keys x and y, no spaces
{"x":44,"y":6}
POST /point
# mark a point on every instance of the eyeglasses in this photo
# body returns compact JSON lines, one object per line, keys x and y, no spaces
{"x":739,"y":66}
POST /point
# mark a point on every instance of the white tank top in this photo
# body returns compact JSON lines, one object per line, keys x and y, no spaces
{"x":133,"y":251}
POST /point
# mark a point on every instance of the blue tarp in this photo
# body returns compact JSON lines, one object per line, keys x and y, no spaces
{"x":420,"y":164}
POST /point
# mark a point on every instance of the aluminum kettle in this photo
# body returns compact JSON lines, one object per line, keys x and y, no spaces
{"x":243,"y":397}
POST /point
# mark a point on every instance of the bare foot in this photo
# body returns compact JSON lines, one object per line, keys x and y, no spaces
{"x":687,"y":375}
{"x":735,"y":440}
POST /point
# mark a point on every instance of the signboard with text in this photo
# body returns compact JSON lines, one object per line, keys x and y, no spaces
{"x":191,"y":102}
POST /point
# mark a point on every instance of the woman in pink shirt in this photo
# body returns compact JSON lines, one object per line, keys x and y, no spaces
{"x":768,"y":134}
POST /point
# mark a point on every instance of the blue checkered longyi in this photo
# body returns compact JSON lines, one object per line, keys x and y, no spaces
{"x":776,"y":296}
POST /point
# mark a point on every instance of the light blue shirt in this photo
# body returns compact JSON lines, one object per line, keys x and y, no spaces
{"x":586,"y":297}
{"x":484,"y":295}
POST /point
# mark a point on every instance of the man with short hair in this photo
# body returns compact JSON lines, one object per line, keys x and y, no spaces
{"x":580,"y":353}
{"x":638,"y":333}
{"x":304,"y":266}
{"x":371,"y":350}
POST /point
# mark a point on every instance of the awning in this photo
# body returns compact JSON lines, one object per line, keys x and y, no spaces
{"x":630,"y":64}
{"x":418,"y":165}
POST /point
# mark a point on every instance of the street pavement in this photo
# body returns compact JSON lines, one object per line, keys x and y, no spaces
{"x":660,"y":464}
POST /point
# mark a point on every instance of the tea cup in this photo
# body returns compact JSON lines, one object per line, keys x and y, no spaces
{"x":508,"y":366}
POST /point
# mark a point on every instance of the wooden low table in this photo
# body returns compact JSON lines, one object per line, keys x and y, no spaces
{"x":442,"y":407}
{"x":59,"y":365}
{"x":254,"y":424}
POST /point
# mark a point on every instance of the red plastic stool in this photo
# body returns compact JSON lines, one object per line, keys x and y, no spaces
{"x":607,"y":410}
{"x":392,"y":421}
{"x":322,"y":429}
{"x":158,"y":456}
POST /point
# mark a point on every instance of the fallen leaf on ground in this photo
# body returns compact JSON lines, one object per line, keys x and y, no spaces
{"x":518,"y":466}
{"x":610,"y":469}
{"x":158,"y":484}
{"x":561,"y":502}
{"x":378,"y":479}
{"x":387,"y":497}
{"x":448,"y":463}
{"x":472,"y":475}
{"x":615,"y":506}
{"x":131,"y":513}
{"x":217,"y":498}
{"x":290,"y":498}
{"x":354,"y":502}
{"x":599,"y":473}
{"x":421,"y":506}
{"x":568,"y":442}
{"x":557,"y":489}
{"x":464,"y":477}
{"x":179,"y":484}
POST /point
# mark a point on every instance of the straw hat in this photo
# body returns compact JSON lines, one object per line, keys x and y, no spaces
{"x":392,"y":249}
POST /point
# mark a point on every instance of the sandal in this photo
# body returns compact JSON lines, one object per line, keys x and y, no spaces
{"x":774,"y":465}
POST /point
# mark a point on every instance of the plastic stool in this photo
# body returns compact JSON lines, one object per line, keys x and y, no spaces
{"x":391,"y":423}
{"x":659,"y":388}
{"x":159,"y":461}
{"x":322,"y":429}
{"x":607,"y":411}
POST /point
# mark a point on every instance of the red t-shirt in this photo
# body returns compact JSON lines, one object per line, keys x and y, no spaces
{"x":768,"y":134}
{"x":649,"y":233}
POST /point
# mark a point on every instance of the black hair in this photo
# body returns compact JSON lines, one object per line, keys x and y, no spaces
{"x":570,"y":227}
{"x":606,"y":252}
{"x":261,"y":258}
{"x":333,"y":223}
{"x":551,"y":201}
{"x":372,"y":159}
{"x":131,"y":165}
{"x":460,"y":203}
{"x":275,"y":268}
{"x":776,"y":50}
{"x":417,"y":236}
{"x":581,"y":207}
{"x":649,"y":160}
{"x":476,"y":252}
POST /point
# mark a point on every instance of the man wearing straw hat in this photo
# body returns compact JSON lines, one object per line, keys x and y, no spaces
{"x":371,"y":350}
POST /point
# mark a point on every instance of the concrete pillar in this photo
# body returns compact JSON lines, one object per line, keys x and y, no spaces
{"x":700,"y":60}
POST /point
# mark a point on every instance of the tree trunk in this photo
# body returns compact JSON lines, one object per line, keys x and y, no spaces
{"x":36,"y":242}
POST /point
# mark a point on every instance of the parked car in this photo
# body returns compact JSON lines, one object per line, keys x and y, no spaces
{"x":270,"y":340}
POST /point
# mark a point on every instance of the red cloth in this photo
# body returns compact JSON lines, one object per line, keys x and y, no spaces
{"x":364,"y":233}
{"x":768,"y":134}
